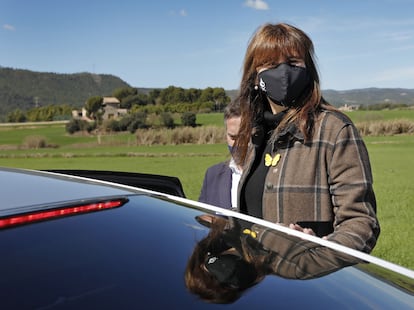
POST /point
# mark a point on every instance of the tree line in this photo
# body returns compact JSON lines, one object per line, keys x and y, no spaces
{"x":163,"y":104}
{"x":171,"y":99}
{"x":383,"y":106}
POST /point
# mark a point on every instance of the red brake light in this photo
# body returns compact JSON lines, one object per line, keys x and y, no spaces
{"x":48,"y":214}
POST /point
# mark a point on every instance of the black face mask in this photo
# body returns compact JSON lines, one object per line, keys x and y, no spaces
{"x":284,"y":84}
{"x":231,"y":270}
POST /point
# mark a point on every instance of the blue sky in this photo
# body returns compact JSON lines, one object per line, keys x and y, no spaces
{"x":201,"y":43}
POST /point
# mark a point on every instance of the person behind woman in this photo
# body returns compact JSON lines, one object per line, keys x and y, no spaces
{"x":221,"y":180}
{"x":304,"y":162}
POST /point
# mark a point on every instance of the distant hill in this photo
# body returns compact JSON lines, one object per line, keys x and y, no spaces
{"x":363,"y":96}
{"x":25,"y":89}
{"x":368,"y":96}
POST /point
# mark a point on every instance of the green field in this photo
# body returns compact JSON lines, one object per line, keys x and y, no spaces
{"x":391,"y":158}
{"x":366,"y":116}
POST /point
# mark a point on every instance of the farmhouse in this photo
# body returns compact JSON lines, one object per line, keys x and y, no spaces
{"x":347,"y":107}
{"x":110,"y":106}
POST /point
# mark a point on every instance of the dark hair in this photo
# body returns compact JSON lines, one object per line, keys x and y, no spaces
{"x":201,"y":282}
{"x":232,"y":110}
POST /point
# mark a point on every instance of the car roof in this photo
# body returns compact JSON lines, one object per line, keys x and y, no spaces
{"x":137,"y":253}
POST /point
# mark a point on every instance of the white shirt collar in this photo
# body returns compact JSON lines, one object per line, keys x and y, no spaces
{"x":234,"y":168}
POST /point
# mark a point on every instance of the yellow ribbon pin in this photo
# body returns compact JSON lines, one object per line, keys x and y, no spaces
{"x":250,"y":232}
{"x":271,"y":161}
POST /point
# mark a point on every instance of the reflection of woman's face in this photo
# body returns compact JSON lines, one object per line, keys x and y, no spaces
{"x":231,"y":251}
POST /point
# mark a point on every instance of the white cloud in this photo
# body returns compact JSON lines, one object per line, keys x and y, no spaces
{"x":181,"y":12}
{"x":9,"y":27}
{"x":256,"y":4}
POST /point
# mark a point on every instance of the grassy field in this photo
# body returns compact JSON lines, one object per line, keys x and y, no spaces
{"x":391,"y":158}
{"x":364,"y":116}
{"x":392,"y":163}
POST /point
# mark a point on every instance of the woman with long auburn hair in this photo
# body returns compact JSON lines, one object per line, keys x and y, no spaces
{"x":304,"y":163}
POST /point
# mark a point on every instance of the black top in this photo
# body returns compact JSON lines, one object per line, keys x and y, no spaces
{"x":252,"y":192}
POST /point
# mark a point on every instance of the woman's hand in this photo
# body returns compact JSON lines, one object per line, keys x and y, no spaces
{"x":297,"y":227}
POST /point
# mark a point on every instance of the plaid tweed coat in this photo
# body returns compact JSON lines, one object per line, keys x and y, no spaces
{"x":325,"y":180}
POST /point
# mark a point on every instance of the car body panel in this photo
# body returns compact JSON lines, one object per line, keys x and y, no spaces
{"x":164,"y":184}
{"x":136,"y":254}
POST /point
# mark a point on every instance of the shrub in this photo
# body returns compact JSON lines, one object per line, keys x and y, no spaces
{"x":111,"y":125}
{"x":167,"y":120}
{"x":386,"y":128}
{"x":89,"y":126}
{"x":17,"y":116}
{"x":138,"y":120}
{"x":34,"y":142}
{"x":211,"y":134}
{"x":75,"y":125}
{"x":182,"y":135}
{"x":188,"y":119}
{"x":124,"y":122}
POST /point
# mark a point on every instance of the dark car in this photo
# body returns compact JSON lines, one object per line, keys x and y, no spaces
{"x":114,"y":240}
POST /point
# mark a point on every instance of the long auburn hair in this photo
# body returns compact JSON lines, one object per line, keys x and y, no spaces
{"x":269,"y":44}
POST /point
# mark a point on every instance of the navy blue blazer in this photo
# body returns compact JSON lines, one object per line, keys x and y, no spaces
{"x":216,"y":188}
